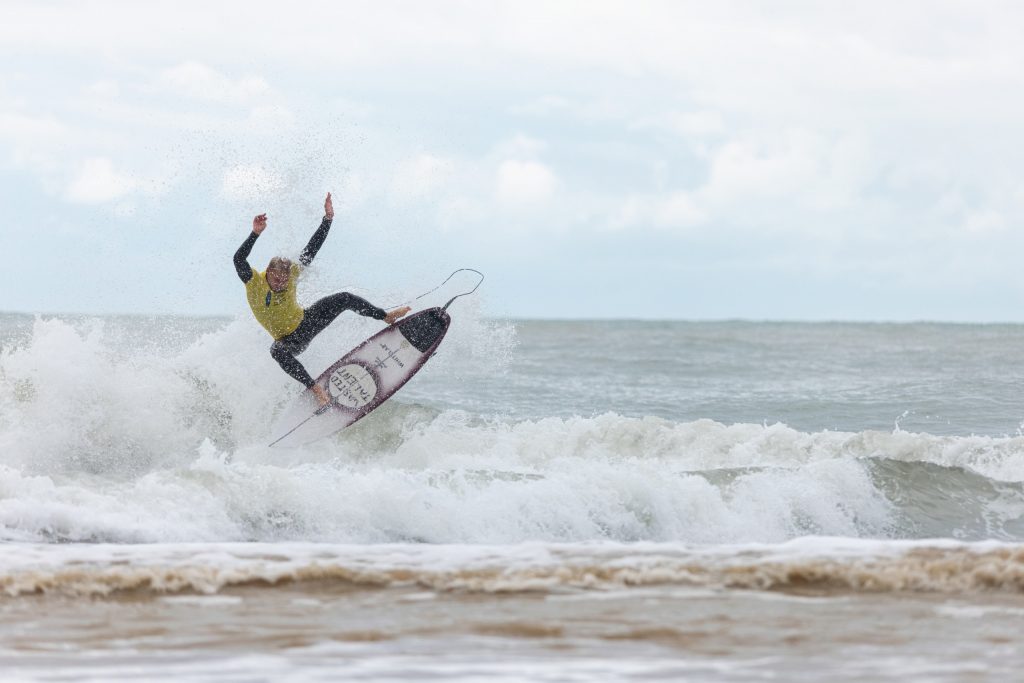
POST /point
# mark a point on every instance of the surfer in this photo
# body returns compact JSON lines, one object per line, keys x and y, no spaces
{"x":271,"y":296}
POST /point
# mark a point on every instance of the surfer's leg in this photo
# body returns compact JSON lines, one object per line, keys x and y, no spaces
{"x":323,"y":312}
{"x":317,"y":317}
{"x":284,"y":353}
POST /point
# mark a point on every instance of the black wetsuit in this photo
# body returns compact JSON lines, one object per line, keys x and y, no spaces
{"x":315,"y":318}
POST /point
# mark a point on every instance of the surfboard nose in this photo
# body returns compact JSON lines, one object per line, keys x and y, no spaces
{"x":423,"y":329}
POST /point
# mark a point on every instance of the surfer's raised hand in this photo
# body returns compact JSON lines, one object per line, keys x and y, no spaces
{"x":394,"y":315}
{"x":328,"y":207}
{"x":259,"y":224}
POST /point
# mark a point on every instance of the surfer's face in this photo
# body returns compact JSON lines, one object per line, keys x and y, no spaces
{"x":278,"y":278}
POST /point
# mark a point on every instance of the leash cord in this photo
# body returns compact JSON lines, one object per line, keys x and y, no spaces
{"x":442,"y":285}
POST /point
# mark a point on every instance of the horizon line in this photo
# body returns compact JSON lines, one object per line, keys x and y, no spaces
{"x":557,"y":319}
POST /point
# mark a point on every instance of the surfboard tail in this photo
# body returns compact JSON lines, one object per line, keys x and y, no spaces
{"x":425,"y":330}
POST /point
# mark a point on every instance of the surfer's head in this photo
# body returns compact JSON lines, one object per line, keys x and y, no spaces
{"x":279,"y":270}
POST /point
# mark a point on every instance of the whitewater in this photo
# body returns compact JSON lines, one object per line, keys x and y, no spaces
{"x":546,"y":500}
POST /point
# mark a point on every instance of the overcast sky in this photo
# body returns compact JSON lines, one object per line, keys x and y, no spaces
{"x":691,"y":160}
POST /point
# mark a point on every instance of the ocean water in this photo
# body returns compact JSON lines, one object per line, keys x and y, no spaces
{"x":546,"y":500}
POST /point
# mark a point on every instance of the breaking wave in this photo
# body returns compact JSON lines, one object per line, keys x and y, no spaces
{"x":166,"y":442}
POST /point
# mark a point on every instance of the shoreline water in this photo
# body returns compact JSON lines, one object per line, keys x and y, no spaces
{"x":806,"y":565}
{"x":323,"y":628}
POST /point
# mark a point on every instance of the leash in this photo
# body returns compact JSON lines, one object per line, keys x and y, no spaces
{"x":445,"y":307}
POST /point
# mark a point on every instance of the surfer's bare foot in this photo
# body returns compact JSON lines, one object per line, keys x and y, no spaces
{"x":394,"y":315}
{"x":322,"y":398}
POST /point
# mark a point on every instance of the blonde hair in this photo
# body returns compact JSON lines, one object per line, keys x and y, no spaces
{"x":279,"y":263}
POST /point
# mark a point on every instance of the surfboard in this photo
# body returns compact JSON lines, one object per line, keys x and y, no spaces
{"x":363,"y":378}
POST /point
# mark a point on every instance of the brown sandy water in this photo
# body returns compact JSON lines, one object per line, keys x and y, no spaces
{"x":328,"y":631}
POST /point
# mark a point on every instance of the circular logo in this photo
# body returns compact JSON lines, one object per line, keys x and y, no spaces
{"x":352,"y":386}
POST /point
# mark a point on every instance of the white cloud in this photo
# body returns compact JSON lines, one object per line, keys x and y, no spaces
{"x":678,"y":210}
{"x":985,"y":222}
{"x":685,"y":124}
{"x":104,"y":88}
{"x":519,"y":147}
{"x":890,"y":117}
{"x":962,"y":220}
{"x":192,"y":79}
{"x":39,"y":143}
{"x":631,"y":213}
{"x":271,"y":118}
{"x":543,"y":106}
{"x":740,"y":171}
{"x":350,"y":191}
{"x":125,"y":210}
{"x":97,"y":182}
{"x":421,"y":176}
{"x":525,"y":182}
{"x":674,"y":210}
{"x":456,"y":212}
{"x":794,"y":181}
{"x":697,"y":123}
{"x":24,"y":128}
{"x":247,"y":182}
{"x":64,"y":160}
{"x":775,"y":182}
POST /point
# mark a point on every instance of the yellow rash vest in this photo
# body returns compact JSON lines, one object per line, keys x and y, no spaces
{"x":278,"y":312}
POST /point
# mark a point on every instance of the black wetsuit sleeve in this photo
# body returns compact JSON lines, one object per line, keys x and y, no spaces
{"x":242,"y":266}
{"x":315,"y":242}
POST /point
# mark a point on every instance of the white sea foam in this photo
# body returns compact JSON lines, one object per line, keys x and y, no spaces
{"x":165,"y":441}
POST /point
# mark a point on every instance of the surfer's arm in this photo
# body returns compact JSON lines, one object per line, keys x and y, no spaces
{"x":242,"y":266}
{"x":317,"y":240}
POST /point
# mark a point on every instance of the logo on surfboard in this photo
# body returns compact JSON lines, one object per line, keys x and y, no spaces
{"x":352,"y":386}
